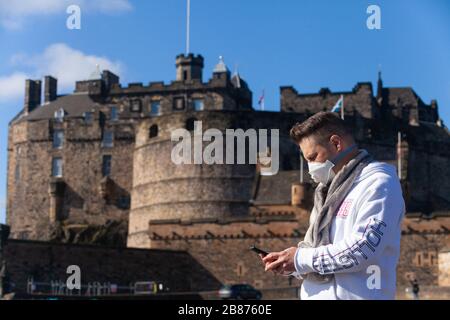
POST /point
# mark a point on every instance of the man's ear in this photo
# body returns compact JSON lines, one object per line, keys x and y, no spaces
{"x":336,"y":141}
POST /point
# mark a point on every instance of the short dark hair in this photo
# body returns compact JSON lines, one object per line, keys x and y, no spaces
{"x":321,"y":126}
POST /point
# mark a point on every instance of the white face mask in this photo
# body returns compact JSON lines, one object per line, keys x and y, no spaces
{"x":322,"y":172}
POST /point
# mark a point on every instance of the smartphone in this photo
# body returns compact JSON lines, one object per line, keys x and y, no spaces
{"x":259,"y":251}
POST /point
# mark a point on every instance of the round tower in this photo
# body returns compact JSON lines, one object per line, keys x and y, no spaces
{"x":164,"y":190}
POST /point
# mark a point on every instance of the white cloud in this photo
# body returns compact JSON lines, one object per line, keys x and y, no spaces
{"x":11,"y":24}
{"x":13,"y":13}
{"x":108,"y":6}
{"x":59,"y":60}
{"x":12,"y":86}
{"x":67,"y":64}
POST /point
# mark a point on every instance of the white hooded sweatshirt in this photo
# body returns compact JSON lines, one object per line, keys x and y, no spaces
{"x":365,"y":241}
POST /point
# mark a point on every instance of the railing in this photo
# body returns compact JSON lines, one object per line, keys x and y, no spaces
{"x":96,"y":288}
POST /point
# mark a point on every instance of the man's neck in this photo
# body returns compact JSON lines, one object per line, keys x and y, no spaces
{"x":345,"y":160}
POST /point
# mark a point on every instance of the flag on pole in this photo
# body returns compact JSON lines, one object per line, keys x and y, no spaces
{"x":261,"y":101}
{"x":339,"y":106}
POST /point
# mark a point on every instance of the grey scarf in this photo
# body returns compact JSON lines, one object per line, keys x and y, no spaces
{"x":327,"y":199}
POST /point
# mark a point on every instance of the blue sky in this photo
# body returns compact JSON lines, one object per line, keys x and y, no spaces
{"x":306,"y":44}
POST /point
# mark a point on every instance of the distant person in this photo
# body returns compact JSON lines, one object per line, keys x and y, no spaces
{"x":355,"y":222}
{"x":415,"y":289}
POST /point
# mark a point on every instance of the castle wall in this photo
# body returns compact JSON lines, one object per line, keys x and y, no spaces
{"x":360,"y":100}
{"x":28,"y":196}
{"x":223,"y":247}
{"x":46,"y":262}
{"x":17,"y":155}
{"x":231,"y":261}
{"x":444,"y":267}
{"x":419,"y":258}
{"x":212,"y":100}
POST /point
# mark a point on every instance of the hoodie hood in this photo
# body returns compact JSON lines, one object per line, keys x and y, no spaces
{"x":377,"y":167}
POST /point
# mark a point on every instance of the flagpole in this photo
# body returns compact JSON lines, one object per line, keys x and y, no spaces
{"x":188,"y":18}
{"x":262,"y":100}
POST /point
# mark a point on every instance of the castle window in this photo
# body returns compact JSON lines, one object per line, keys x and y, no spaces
{"x":58,"y":138}
{"x":178,"y":104}
{"x":153,"y":131}
{"x":198,"y":104}
{"x":155,"y":108}
{"x":136,"y":105}
{"x":57,"y":169}
{"x":87,"y":117}
{"x":124,"y":202}
{"x":106,"y":165}
{"x":114,"y":115}
{"x":17,"y":171}
{"x":185,"y":75}
{"x":108,"y":139}
{"x":405,"y":113}
{"x":190,"y":124}
{"x":425,"y":259}
{"x":59,"y":115}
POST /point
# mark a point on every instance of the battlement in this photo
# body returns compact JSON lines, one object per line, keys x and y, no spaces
{"x":175,"y":85}
{"x":189,"y":67}
{"x":229,"y":228}
{"x":359,"y":100}
{"x":417,"y":223}
{"x":98,"y":85}
{"x":388,"y":103}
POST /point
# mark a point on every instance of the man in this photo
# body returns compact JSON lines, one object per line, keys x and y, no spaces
{"x":352,"y":245}
{"x":415,"y":289}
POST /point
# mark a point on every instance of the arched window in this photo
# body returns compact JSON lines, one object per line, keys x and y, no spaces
{"x":153,"y":131}
{"x":190,"y":124}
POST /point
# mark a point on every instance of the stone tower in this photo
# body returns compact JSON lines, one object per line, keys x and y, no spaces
{"x":164,"y":190}
{"x":189,"y":67}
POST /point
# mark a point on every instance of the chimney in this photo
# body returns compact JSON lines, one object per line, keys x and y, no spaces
{"x":50,"y":89}
{"x":32,"y":95}
{"x":379,"y":88}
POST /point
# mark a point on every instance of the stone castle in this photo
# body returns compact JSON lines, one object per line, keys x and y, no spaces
{"x":94,"y":167}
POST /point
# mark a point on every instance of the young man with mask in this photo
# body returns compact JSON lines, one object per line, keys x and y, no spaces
{"x":352,"y":245}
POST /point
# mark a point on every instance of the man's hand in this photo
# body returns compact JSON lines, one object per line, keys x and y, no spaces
{"x":276,"y":270}
{"x":281,"y":262}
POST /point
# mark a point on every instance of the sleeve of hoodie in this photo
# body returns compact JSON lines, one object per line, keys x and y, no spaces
{"x":379,"y":214}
